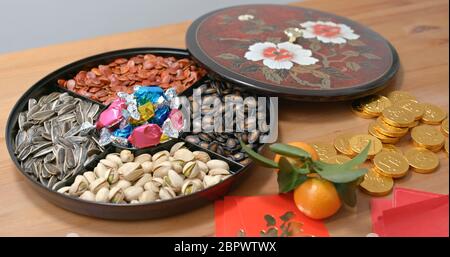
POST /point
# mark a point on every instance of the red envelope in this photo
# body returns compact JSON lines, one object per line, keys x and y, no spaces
{"x":377,"y":207}
{"x":404,"y":196}
{"x":219,"y":217}
{"x":429,"y":218}
{"x":233,"y":222}
{"x":254,"y":208}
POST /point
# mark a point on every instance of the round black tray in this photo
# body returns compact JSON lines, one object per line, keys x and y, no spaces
{"x":111,"y":211}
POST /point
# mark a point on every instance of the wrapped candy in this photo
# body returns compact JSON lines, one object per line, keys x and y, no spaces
{"x":164,"y":138}
{"x":146,"y":136}
{"x":132,"y":107}
{"x":161,"y":115}
{"x":172,"y":98}
{"x":146,"y":111}
{"x":169,"y":130}
{"x":122,"y":141}
{"x":123,"y":132}
{"x":111,"y":116}
{"x":176,"y":117}
{"x":105,"y":137}
{"x":154,"y":95}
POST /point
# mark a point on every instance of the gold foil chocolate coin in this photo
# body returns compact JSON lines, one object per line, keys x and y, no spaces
{"x":413,"y":106}
{"x":357,"y":108}
{"x":324,"y":150}
{"x":434,"y":115}
{"x":389,"y":130}
{"x":398,"y":117}
{"x":375,"y":104}
{"x":383,"y":138}
{"x":446,"y":146}
{"x":428,"y":137}
{"x":376,"y":184}
{"x":444,"y":127}
{"x":338,"y":159}
{"x":359,"y":142}
{"x":342,"y":144}
{"x":422,"y":160}
{"x":391,"y":148}
{"x":391,"y":164}
{"x":396,"y":96}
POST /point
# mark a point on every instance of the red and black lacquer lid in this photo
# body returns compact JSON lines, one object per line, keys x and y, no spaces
{"x":333,"y":58}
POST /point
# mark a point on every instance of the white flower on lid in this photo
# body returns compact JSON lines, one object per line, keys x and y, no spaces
{"x":280,"y":56}
{"x":328,"y":32}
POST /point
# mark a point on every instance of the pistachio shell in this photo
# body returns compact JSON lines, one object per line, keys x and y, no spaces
{"x":217,"y":164}
{"x":100,"y":170}
{"x":143,"y":158}
{"x":202,"y":156}
{"x":115,"y":158}
{"x":184,"y":155}
{"x":162,"y":169}
{"x":112,"y":176}
{"x":142,"y":181}
{"x":109,"y":164}
{"x":102,"y":195}
{"x":215,"y":172}
{"x":148,"y":197}
{"x":177,"y":166}
{"x":191,"y":186}
{"x":147,"y":167}
{"x":64,"y":190}
{"x":116,"y":195}
{"x":202,"y":166}
{"x":201,"y":175}
{"x":98,"y":184}
{"x":176,"y":147}
{"x":90,"y":176}
{"x":126,"y":156}
{"x":152,"y":186}
{"x":131,"y":171}
{"x":174,"y":180}
{"x":191,"y":170}
{"x":159,"y":155}
{"x":135,"y":202}
{"x":133,"y":193}
{"x":166,"y":193}
{"x":158,"y":181}
{"x":209,"y":181}
{"x":79,"y":186}
{"x":123,"y":184}
{"x":160,"y":160}
{"x":88,"y":196}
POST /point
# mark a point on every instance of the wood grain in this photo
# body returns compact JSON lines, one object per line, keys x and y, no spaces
{"x":418,"y":29}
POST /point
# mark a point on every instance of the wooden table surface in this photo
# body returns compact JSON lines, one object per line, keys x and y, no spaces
{"x":418,"y":29}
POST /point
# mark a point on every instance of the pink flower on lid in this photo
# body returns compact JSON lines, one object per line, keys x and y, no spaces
{"x":328,"y":32}
{"x":280,"y":56}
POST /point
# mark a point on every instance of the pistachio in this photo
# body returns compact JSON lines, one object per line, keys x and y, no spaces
{"x":162,"y":169}
{"x":90,"y":176}
{"x":191,"y":170}
{"x":79,"y":186}
{"x":176,"y":147}
{"x":174,"y":180}
{"x":116,"y":195}
{"x":102,"y":195}
{"x":177,"y":166}
{"x":64,"y":190}
{"x":98,"y":184}
{"x":147,"y":166}
{"x":158,"y":181}
{"x":191,"y":186}
{"x":162,"y":159}
{"x":159,"y":155}
{"x":131,"y":172}
{"x":217,"y":164}
{"x":135,"y":202}
{"x":109,"y":164}
{"x":123,"y":184}
{"x":202,"y":166}
{"x":115,"y":158}
{"x":209,"y":181}
{"x":144,"y":180}
{"x":143,"y":158}
{"x":215,"y":172}
{"x":133,"y":193}
{"x":166,"y":193}
{"x":88,"y":196}
{"x":202,"y":156}
{"x":126,"y":156}
{"x":152,"y":186}
{"x":100,"y":170}
{"x":148,"y":197}
{"x":184,"y":155}
{"x":112,"y":176}
{"x":201,"y":175}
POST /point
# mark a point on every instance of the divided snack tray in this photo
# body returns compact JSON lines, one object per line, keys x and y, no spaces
{"x":158,"y":209}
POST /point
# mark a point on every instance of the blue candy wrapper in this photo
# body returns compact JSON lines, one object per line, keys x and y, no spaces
{"x":161,"y":115}
{"x":124,"y":132}
{"x":154,"y":95}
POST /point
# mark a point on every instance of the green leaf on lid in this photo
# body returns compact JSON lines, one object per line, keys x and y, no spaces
{"x":288,"y":179}
{"x":289,"y":150}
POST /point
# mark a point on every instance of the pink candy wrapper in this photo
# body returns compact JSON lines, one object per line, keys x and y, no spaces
{"x":176,"y":117}
{"x":146,"y":136}
{"x":111,"y":116}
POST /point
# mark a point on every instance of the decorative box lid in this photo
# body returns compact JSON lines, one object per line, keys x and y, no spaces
{"x":293,"y":52}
